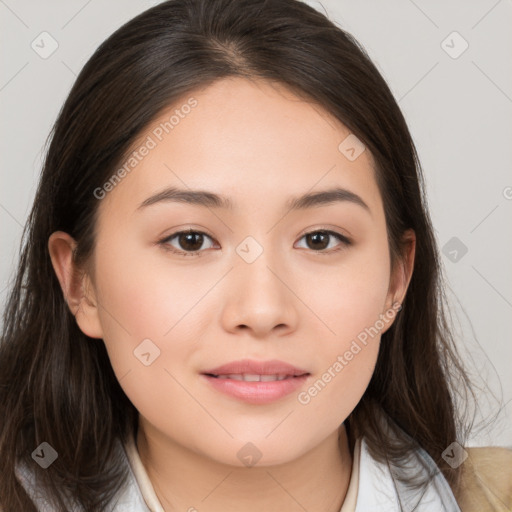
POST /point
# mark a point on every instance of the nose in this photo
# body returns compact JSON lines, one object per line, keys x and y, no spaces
{"x":259,"y":298}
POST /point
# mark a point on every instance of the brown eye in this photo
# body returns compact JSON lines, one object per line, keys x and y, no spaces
{"x":318,"y":240}
{"x":188,"y":243}
{"x":321,"y":240}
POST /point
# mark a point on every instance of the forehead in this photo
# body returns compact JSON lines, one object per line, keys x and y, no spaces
{"x":252,"y":141}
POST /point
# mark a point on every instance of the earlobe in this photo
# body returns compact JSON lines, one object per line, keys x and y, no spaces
{"x":75,"y":284}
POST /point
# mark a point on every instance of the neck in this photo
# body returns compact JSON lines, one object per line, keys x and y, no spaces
{"x":187,"y":481}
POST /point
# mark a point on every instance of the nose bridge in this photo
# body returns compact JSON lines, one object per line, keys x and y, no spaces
{"x":259,"y":299}
{"x":257,"y":264}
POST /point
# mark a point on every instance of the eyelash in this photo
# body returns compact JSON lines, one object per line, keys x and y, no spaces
{"x":164,"y":242}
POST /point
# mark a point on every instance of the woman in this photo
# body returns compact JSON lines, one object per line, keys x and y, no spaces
{"x":229,"y":296}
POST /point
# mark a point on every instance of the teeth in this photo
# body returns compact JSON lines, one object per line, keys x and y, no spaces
{"x":250,"y":377}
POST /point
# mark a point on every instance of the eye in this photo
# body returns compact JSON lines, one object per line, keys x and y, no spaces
{"x":189,"y":242}
{"x":320,"y":240}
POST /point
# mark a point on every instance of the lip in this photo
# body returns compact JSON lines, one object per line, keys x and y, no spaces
{"x":269,"y":367}
{"x":257,"y":392}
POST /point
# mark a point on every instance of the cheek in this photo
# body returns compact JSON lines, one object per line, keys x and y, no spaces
{"x":142,"y":291}
{"x":140,"y":301}
{"x":350,"y":302}
{"x":350,"y":295}
{"x":146,"y":327}
{"x":341,"y":386}
{"x":344,"y":364}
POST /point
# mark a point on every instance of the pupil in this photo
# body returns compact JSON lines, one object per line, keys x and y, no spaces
{"x":315,"y":237}
{"x":189,"y":237}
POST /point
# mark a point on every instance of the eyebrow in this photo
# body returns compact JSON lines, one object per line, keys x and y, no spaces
{"x":212,"y":200}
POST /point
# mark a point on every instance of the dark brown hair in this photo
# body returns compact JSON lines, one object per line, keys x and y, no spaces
{"x":57,"y":385}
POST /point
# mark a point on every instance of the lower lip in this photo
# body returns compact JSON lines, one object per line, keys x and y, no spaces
{"x":257,"y":392}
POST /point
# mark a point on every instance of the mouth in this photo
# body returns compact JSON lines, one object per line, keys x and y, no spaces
{"x":255,"y":381}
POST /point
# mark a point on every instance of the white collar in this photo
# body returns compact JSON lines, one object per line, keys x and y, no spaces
{"x":372,"y":486}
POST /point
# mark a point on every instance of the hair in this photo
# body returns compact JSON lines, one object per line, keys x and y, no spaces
{"x":57,"y":384}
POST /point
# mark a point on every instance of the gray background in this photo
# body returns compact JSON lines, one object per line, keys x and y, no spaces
{"x":458,"y":105}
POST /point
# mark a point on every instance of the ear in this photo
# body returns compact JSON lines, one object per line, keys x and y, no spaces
{"x":402,"y":273}
{"x":76,"y":285}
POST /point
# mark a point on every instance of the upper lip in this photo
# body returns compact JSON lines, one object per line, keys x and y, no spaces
{"x":250,"y":366}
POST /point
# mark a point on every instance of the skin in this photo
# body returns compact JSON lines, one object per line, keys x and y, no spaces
{"x":259,"y":144}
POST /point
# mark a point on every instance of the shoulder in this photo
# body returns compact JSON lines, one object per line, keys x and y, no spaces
{"x":486,"y":481}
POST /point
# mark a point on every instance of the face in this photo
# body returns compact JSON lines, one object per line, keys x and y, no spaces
{"x":256,"y":279}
